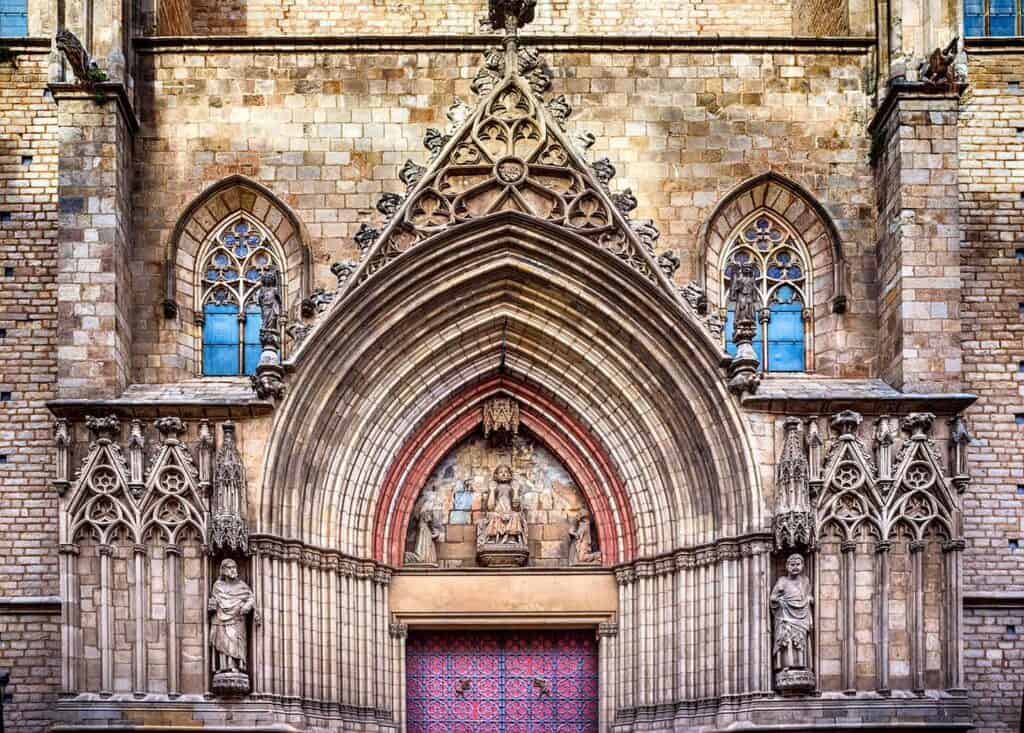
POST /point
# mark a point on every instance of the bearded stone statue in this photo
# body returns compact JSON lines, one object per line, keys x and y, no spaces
{"x":231,"y":600}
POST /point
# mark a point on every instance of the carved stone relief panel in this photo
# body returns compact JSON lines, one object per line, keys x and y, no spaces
{"x":458,"y":490}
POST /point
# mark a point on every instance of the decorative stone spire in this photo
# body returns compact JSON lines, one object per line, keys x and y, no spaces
{"x":227,"y":512}
{"x":793,"y":522}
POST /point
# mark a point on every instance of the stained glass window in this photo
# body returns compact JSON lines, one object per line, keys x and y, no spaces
{"x":781,"y":262}
{"x":993,"y":17}
{"x":233,"y":263}
{"x":13,"y":18}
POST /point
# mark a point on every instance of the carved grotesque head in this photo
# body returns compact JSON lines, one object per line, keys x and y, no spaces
{"x":503,"y":474}
{"x":794,"y":565}
{"x":228,"y":569}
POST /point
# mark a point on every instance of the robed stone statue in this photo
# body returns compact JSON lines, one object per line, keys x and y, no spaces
{"x":501,"y":534}
{"x":427,"y":530}
{"x":793,"y":614}
{"x":231,"y":601}
{"x":581,"y":543}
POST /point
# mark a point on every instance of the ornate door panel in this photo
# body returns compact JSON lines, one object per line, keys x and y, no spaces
{"x":502,"y":682}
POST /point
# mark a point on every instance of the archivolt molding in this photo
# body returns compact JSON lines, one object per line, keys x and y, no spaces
{"x":537,"y":303}
{"x":790,"y":202}
{"x":204,"y":217}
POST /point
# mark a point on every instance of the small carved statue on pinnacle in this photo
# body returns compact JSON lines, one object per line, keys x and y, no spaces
{"x":228,"y":532}
{"x":231,"y":601}
{"x":744,"y":297}
{"x":581,"y":543}
{"x":85,"y":69}
{"x":269,"y":299}
{"x":792,"y":612}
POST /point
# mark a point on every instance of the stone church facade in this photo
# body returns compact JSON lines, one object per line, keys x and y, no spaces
{"x":512,"y":366}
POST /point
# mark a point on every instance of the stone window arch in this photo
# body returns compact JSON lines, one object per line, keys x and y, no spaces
{"x":232,"y":262}
{"x":784,"y":342}
{"x":199,"y":224}
{"x":800,"y":217}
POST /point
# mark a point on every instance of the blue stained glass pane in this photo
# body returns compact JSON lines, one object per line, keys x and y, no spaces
{"x":786,"y":338}
{"x":730,"y":346}
{"x":241,"y":251}
{"x":241,"y":227}
{"x":220,"y":339}
{"x":974,"y":25}
{"x":1002,"y":25}
{"x":13,"y":18}
{"x":253,"y":321}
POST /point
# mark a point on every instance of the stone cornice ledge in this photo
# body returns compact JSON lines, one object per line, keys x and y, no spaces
{"x":911,"y":90}
{"x":569,"y":42}
{"x":807,"y":395}
{"x":105,"y":91}
{"x":26,"y":44}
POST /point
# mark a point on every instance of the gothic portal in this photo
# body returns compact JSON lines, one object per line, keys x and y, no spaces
{"x":510,"y":367}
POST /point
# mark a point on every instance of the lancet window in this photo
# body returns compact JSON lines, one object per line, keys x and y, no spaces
{"x":235,"y":259}
{"x":782,"y":341}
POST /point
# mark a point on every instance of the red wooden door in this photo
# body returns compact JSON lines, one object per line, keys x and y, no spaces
{"x":502,"y":682}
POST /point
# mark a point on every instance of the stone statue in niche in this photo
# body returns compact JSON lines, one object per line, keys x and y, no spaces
{"x":581,"y":544}
{"x":501,"y":534}
{"x":270,"y":309}
{"x":428,"y":530}
{"x":231,"y":600}
{"x":792,"y":611}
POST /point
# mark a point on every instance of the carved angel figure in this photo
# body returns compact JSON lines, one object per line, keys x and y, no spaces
{"x":231,"y":600}
{"x":792,"y":603}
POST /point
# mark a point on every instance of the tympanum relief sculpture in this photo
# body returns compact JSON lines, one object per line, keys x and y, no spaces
{"x":792,"y":614}
{"x":501,"y":534}
{"x":506,"y":492}
{"x":231,"y":602}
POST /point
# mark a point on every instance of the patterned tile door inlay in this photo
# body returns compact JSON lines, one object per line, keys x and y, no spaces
{"x":502,"y":682}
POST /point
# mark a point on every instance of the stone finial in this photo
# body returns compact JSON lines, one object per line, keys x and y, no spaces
{"x":343,"y":271}
{"x":845,"y":423}
{"x":668,"y":263}
{"x":603,"y":170}
{"x":103,"y":428}
{"x":365,"y":237}
{"x":170,"y":429}
{"x":918,"y":425}
{"x":389,"y":202}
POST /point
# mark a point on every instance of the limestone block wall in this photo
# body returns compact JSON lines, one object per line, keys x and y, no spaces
{"x":991,"y":132}
{"x":95,"y":298}
{"x":914,"y":147}
{"x":327,"y":132}
{"x":28,"y":332}
{"x":554,"y":17}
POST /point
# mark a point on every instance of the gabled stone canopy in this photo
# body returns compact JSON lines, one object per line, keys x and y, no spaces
{"x":511,"y":153}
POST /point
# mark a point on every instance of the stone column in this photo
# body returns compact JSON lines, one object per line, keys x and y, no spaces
{"x":914,"y":152}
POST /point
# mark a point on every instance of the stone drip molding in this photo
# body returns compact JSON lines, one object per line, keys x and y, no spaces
{"x":309,"y":556}
{"x":705,"y":555}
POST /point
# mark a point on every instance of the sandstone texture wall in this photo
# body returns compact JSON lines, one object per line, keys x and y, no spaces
{"x":327,"y":132}
{"x":28,"y":377}
{"x":992,"y":262}
{"x":322,"y":17}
